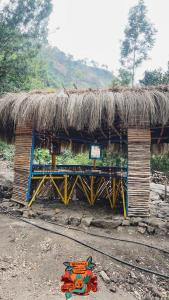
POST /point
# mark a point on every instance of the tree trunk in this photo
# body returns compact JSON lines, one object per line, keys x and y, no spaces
{"x":133,"y":69}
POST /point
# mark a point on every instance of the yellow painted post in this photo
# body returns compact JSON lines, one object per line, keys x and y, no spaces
{"x":117,"y":190}
{"x":123,"y":198}
{"x":92,"y":190}
{"x":72,"y":189}
{"x":108,"y":194}
{"x":84,"y":189}
{"x":57,"y":189}
{"x":66,"y":190}
{"x":98,"y":188}
{"x":37,"y":191}
{"x":92,"y":198}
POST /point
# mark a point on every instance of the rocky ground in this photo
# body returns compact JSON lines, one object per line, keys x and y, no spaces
{"x":31,"y":260}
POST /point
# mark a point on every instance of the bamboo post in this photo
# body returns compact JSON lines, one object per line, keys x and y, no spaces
{"x":92,"y":190}
{"x":92,"y":184}
{"x":139,"y":141}
{"x":53,"y":161}
{"x":22,"y":167}
{"x":123,"y":199}
{"x":66,"y":190}
{"x":37,"y":191}
{"x":94,"y":164}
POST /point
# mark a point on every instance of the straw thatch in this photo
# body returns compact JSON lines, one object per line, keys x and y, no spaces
{"x":84,"y":110}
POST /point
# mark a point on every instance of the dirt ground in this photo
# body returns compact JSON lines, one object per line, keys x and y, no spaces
{"x":31,"y":263}
{"x":31,"y":260}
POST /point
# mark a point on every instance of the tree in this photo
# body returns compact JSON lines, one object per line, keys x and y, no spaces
{"x":166,"y":75}
{"x":155,"y":77}
{"x":125,"y":77}
{"x":139,"y":38}
{"x":29,"y":17}
{"x":22,"y":31}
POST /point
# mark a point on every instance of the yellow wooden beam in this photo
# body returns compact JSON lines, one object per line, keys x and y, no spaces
{"x":92,"y":190}
{"x":47,"y":177}
{"x":72,"y":189}
{"x":123,"y":199}
{"x":66,"y":190}
{"x":98,"y":188}
{"x":84,"y":189}
{"x":37,"y":191}
{"x":57,"y":189}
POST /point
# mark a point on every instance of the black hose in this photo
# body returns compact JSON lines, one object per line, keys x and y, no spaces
{"x":92,"y":248}
{"x":110,"y":237}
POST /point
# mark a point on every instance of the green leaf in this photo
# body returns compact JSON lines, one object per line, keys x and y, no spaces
{"x":69,"y":269}
{"x":91,"y":266}
{"x":87,"y":278}
{"x":67,"y":264}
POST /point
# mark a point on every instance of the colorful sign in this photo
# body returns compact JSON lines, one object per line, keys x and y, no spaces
{"x":79,"y":278}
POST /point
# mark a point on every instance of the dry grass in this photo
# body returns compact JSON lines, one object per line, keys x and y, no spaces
{"x":88,"y":109}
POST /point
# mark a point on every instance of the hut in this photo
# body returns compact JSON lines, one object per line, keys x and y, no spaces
{"x":136,"y":120}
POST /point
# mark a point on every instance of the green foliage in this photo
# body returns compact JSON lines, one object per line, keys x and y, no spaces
{"x":26,"y":62}
{"x":22,"y":29}
{"x":6,"y":151}
{"x":139,"y":38}
{"x":152,"y":77}
{"x":28,"y":17}
{"x":124,"y":78}
{"x":43,"y":156}
{"x":155,"y":77}
{"x":160,"y":163}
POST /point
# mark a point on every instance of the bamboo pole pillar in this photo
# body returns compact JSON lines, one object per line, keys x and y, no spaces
{"x":22,"y":162}
{"x":139,"y":141}
{"x":92,"y":184}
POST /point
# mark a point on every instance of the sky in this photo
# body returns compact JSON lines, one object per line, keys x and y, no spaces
{"x":93,"y":29}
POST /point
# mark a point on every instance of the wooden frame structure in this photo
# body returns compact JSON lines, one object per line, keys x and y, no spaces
{"x":136,"y":180}
{"x":95,"y":182}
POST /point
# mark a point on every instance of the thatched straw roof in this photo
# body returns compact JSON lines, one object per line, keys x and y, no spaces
{"x":87,"y":109}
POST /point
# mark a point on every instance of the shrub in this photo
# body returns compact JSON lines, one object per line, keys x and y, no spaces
{"x":160,"y":163}
{"x":6,"y":151}
{"x":42,"y":156}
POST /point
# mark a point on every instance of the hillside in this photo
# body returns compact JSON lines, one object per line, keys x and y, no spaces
{"x":63,"y":70}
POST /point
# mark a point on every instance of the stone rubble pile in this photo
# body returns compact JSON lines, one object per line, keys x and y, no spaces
{"x":157,"y":223}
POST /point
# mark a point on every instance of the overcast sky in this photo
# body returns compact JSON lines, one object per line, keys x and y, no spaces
{"x":93,"y":29}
